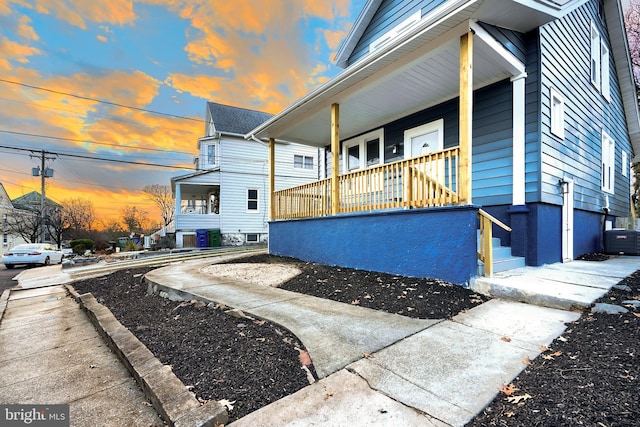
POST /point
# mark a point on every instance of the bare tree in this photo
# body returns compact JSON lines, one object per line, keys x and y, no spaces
{"x":134,"y":220}
{"x":77,"y":217}
{"x":632,"y":22}
{"x":162,"y":196}
{"x":24,"y":223}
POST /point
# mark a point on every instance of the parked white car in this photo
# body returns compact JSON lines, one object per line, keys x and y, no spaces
{"x":32,"y":253}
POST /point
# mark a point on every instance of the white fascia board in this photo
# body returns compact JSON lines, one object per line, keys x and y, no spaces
{"x":624,"y":71}
{"x":557,"y":8}
{"x":428,"y":22}
{"x":359,"y":26}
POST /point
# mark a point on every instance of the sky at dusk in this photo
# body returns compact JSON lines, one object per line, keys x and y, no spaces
{"x":60,"y":58}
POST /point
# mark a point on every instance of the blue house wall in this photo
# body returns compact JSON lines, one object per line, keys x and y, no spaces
{"x":418,"y":242}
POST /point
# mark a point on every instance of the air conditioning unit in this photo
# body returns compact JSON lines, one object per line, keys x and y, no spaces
{"x":622,"y":242}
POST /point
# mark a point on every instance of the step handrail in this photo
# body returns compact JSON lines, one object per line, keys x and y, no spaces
{"x":485,"y":254}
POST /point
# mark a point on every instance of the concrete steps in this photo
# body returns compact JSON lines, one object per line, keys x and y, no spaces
{"x":502,"y":258}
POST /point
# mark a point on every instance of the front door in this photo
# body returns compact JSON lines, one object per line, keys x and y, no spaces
{"x":567,"y":221}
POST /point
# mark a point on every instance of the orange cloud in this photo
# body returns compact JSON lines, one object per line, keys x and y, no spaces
{"x":101,"y":38}
{"x":25,"y":30}
{"x":78,"y":12}
{"x":15,"y":51}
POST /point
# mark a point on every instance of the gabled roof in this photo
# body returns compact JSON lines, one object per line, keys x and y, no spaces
{"x":235,"y":120}
{"x":5,"y":201}
{"x":518,"y":15}
{"x":32,"y":199}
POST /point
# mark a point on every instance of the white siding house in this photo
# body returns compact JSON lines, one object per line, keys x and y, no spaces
{"x":229,"y":190}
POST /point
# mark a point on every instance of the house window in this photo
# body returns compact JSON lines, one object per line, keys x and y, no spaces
{"x":424,"y":139}
{"x":625,"y":163}
{"x":595,"y":56}
{"x":604,"y":64}
{"x":364,"y":151}
{"x":252,"y":200}
{"x":211,"y":154}
{"x":302,"y":162}
{"x":252,"y":238}
{"x":600,"y":70}
{"x":608,"y":165}
{"x":557,"y":114}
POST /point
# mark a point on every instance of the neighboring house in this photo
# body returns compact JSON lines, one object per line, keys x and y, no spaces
{"x":526,"y":110}
{"x":230,"y":187}
{"x":7,"y":211}
{"x":26,"y":218}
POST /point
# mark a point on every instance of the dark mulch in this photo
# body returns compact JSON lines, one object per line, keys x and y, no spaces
{"x":249,"y":362}
{"x":594,"y":256}
{"x":588,"y":377}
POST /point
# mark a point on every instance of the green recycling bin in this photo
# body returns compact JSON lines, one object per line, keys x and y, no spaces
{"x":214,"y":237}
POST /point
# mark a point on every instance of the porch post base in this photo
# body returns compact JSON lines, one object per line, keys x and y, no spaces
{"x":519,"y":230}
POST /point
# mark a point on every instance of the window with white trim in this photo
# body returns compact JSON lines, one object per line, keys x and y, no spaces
{"x":608,"y":162}
{"x":302,"y":162}
{"x":557,"y":114}
{"x":595,"y":56}
{"x":252,"y":238}
{"x":625,"y":163}
{"x":252,"y":199}
{"x":600,"y":69}
{"x":363,"y":151}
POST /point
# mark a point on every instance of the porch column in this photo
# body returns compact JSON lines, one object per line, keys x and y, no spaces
{"x":178,"y":203}
{"x":272,"y":178}
{"x":335,"y":158}
{"x":466,"y":116}
{"x":518,"y":191}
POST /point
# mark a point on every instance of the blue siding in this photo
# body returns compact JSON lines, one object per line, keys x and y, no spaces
{"x":565,"y":59}
{"x":513,"y":41}
{"x":418,"y":242}
{"x":389,"y":14}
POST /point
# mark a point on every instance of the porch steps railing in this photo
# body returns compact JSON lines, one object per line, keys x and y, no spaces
{"x":492,"y":256}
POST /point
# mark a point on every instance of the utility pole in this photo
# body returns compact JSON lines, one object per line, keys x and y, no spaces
{"x":44,"y":172}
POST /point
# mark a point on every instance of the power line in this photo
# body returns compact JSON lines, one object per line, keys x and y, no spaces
{"x":99,"y":158}
{"x":92,"y":142}
{"x":86,"y":98}
{"x":103,"y":116}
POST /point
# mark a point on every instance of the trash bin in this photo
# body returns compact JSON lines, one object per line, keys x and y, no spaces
{"x":122,"y":242}
{"x":214,"y":237}
{"x":202,"y":239}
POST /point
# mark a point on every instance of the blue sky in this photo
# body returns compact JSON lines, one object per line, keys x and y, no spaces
{"x":168,"y":56}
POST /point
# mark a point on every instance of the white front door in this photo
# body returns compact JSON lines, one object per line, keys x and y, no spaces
{"x":567,"y":221}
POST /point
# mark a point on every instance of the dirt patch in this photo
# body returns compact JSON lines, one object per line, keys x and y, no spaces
{"x":257,"y":273}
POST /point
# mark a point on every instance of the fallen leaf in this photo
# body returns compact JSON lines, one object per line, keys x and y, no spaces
{"x":517,"y":399}
{"x":563,"y":339}
{"x":508,"y":390}
{"x":506,"y":339}
{"x":510,"y":414}
{"x":355,"y":302}
{"x":367,"y":355}
{"x":176,"y":317}
{"x":557,"y":353}
{"x":260,"y":322}
{"x":636,"y":314}
{"x":543,"y":348}
{"x":526,"y":361}
{"x":305,"y":359}
{"x":227,"y":404}
{"x":328,"y":395}
{"x":261,"y":339}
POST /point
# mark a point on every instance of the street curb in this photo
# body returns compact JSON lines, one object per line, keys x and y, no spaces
{"x":169,"y":396}
{"x":4,"y":299}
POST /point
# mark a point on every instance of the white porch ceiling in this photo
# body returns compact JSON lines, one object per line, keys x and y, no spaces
{"x":421,"y":74}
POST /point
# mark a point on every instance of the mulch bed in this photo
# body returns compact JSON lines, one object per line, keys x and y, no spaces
{"x":589,"y":377}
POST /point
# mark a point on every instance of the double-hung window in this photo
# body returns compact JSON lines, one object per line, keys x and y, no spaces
{"x":557,"y":114}
{"x":600,"y":70}
{"x":252,"y":200}
{"x":608,"y":162}
{"x":302,"y":162}
{"x":363,"y":151}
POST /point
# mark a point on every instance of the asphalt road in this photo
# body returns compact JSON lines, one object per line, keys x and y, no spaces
{"x":7,"y":275}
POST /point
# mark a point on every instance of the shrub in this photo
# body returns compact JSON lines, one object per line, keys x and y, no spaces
{"x":102,"y":246}
{"x":79,"y":249}
{"x":87,"y":243}
{"x":130,"y":246}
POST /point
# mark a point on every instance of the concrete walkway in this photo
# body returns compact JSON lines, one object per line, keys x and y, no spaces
{"x":51,"y":354}
{"x":383,"y":369}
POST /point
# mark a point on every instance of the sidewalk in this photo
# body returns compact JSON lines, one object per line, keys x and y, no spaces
{"x":422,"y":373}
{"x":51,"y":354}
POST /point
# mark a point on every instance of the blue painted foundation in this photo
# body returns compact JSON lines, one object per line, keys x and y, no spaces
{"x":435,"y":243}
